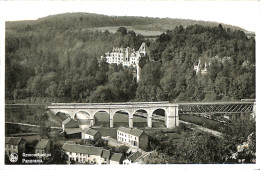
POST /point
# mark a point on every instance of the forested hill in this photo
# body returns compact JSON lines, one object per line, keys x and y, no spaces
{"x":88,"y":20}
{"x":56,"y":60}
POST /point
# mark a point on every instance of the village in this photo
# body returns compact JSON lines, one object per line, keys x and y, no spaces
{"x":80,"y":145}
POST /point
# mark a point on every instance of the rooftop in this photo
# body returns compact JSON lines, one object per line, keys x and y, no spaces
{"x":91,"y":150}
{"x":72,"y":130}
{"x":123,"y":129}
{"x":7,"y":139}
{"x":116,"y":157}
{"x":136,"y":132}
{"x":42,"y":144}
{"x":14,"y":140}
{"x":62,"y":116}
{"x":105,"y":154}
{"x":70,"y":123}
{"x":90,"y":131}
{"x":134,"y":156}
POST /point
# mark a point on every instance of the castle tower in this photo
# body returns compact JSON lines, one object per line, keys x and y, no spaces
{"x":142,"y":48}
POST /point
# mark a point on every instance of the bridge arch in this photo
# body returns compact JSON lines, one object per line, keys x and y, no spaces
{"x":140,"y":117}
{"x":159,"y":115}
{"x":120,"y":117}
{"x":84,"y":118}
{"x":102,"y":118}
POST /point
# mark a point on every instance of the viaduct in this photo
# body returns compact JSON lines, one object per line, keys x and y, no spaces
{"x":172,"y":110}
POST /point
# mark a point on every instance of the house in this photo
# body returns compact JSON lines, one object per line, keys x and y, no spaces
{"x":43,"y":147}
{"x":132,"y":158}
{"x":134,"y":137}
{"x":62,"y":116}
{"x":116,"y":158}
{"x":90,"y":134}
{"x":69,"y":123}
{"x":73,"y":132}
{"x":86,"y":154}
{"x":15,"y":145}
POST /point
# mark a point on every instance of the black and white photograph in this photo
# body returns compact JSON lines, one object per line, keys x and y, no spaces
{"x":128,"y":83}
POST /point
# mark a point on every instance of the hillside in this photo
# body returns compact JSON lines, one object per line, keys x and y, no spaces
{"x":95,"y":21}
{"x":57,"y":59}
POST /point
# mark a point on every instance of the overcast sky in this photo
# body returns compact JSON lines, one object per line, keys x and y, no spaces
{"x":244,"y":14}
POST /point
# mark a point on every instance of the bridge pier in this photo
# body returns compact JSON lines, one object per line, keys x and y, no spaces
{"x":149,"y":121}
{"x":111,"y":122}
{"x":172,"y":118}
{"x":131,"y":124}
{"x":92,"y":122}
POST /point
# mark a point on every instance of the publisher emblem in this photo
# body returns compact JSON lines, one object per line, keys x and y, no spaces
{"x":13,"y":157}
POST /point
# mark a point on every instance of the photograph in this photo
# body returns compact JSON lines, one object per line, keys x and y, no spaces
{"x":129,"y":83}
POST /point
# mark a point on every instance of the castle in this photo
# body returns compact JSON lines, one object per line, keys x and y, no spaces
{"x":127,"y":57}
{"x":197,"y":68}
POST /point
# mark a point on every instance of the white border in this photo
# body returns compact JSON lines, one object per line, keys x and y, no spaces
{"x":8,"y":9}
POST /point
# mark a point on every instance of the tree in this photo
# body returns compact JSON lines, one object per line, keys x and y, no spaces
{"x":58,"y":156}
{"x":122,"y":31}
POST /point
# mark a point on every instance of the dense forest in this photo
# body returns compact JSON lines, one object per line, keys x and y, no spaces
{"x":57,"y":60}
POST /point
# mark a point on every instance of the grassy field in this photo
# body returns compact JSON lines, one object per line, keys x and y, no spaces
{"x":23,"y":113}
{"x":211,"y":124}
{"x":143,"y":32}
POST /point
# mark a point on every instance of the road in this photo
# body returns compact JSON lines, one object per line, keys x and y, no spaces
{"x":26,"y":124}
{"x":203,"y":129}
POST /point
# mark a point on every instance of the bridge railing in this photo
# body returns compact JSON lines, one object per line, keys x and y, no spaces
{"x":234,"y":107}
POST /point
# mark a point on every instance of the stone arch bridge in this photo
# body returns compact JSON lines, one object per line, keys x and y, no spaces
{"x":170,"y":109}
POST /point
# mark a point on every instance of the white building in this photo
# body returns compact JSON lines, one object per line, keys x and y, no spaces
{"x":198,"y":68}
{"x":86,"y":154}
{"x":134,"y":137}
{"x":126,"y":57}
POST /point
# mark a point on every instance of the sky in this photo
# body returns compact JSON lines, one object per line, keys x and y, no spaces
{"x":244,"y":14}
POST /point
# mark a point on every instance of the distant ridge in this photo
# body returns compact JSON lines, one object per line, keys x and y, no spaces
{"x":91,"y":20}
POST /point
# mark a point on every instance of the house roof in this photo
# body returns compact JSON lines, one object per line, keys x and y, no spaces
{"x":70,"y":123}
{"x":105,"y":154}
{"x":123,"y":129}
{"x":72,"y":130}
{"x":7,"y":139}
{"x":62,"y":116}
{"x":66,"y":120}
{"x":134,"y":156}
{"x":116,"y":157}
{"x":42,"y":144}
{"x":136,"y":132}
{"x":14,"y":140}
{"x":89,"y":131}
{"x":75,"y":148}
